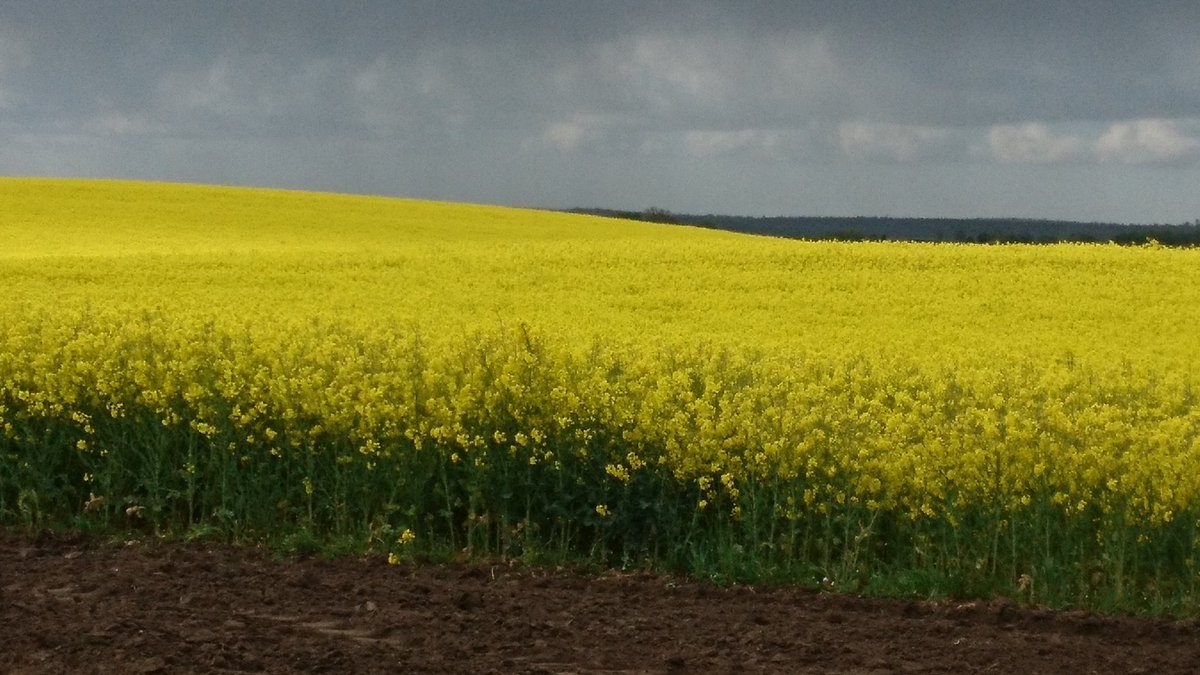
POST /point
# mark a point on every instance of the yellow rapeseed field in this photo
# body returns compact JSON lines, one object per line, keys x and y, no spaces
{"x":917,"y":418}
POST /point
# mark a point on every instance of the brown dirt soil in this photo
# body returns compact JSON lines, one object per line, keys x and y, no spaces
{"x":73,"y":605}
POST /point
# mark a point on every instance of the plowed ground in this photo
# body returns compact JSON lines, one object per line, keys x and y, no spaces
{"x":74,"y":605}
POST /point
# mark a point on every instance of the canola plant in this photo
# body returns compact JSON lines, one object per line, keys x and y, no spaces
{"x":428,"y":378}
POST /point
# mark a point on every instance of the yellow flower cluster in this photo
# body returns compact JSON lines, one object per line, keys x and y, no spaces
{"x":464,"y":368}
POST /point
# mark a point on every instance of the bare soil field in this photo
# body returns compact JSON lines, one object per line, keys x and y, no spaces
{"x":81,"y":606}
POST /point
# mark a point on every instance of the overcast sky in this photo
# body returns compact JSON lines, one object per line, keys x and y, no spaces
{"x":1083,"y":110}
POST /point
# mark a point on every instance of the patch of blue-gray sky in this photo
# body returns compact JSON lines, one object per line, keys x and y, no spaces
{"x":1055,"y":109}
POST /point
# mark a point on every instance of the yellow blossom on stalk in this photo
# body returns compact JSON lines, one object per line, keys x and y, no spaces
{"x":617,"y":471}
{"x":205,"y":429}
{"x":727,"y":481}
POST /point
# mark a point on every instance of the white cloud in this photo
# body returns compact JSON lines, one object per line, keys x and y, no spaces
{"x":564,"y":135}
{"x":212,"y":89}
{"x":424,"y":94}
{"x":233,"y":91}
{"x":376,"y":94}
{"x":681,"y":81}
{"x":121,"y":124}
{"x":243,"y":93}
{"x":1147,"y":141}
{"x":572,"y":133}
{"x":569,"y":135}
{"x":1032,"y":143}
{"x":667,"y":71}
{"x":703,"y":143}
{"x":895,"y":142}
{"x":758,"y":144}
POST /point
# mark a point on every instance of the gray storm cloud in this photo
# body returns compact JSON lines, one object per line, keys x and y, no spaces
{"x":621,"y":104}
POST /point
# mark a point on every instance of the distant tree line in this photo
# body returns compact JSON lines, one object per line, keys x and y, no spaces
{"x":964,"y":230}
